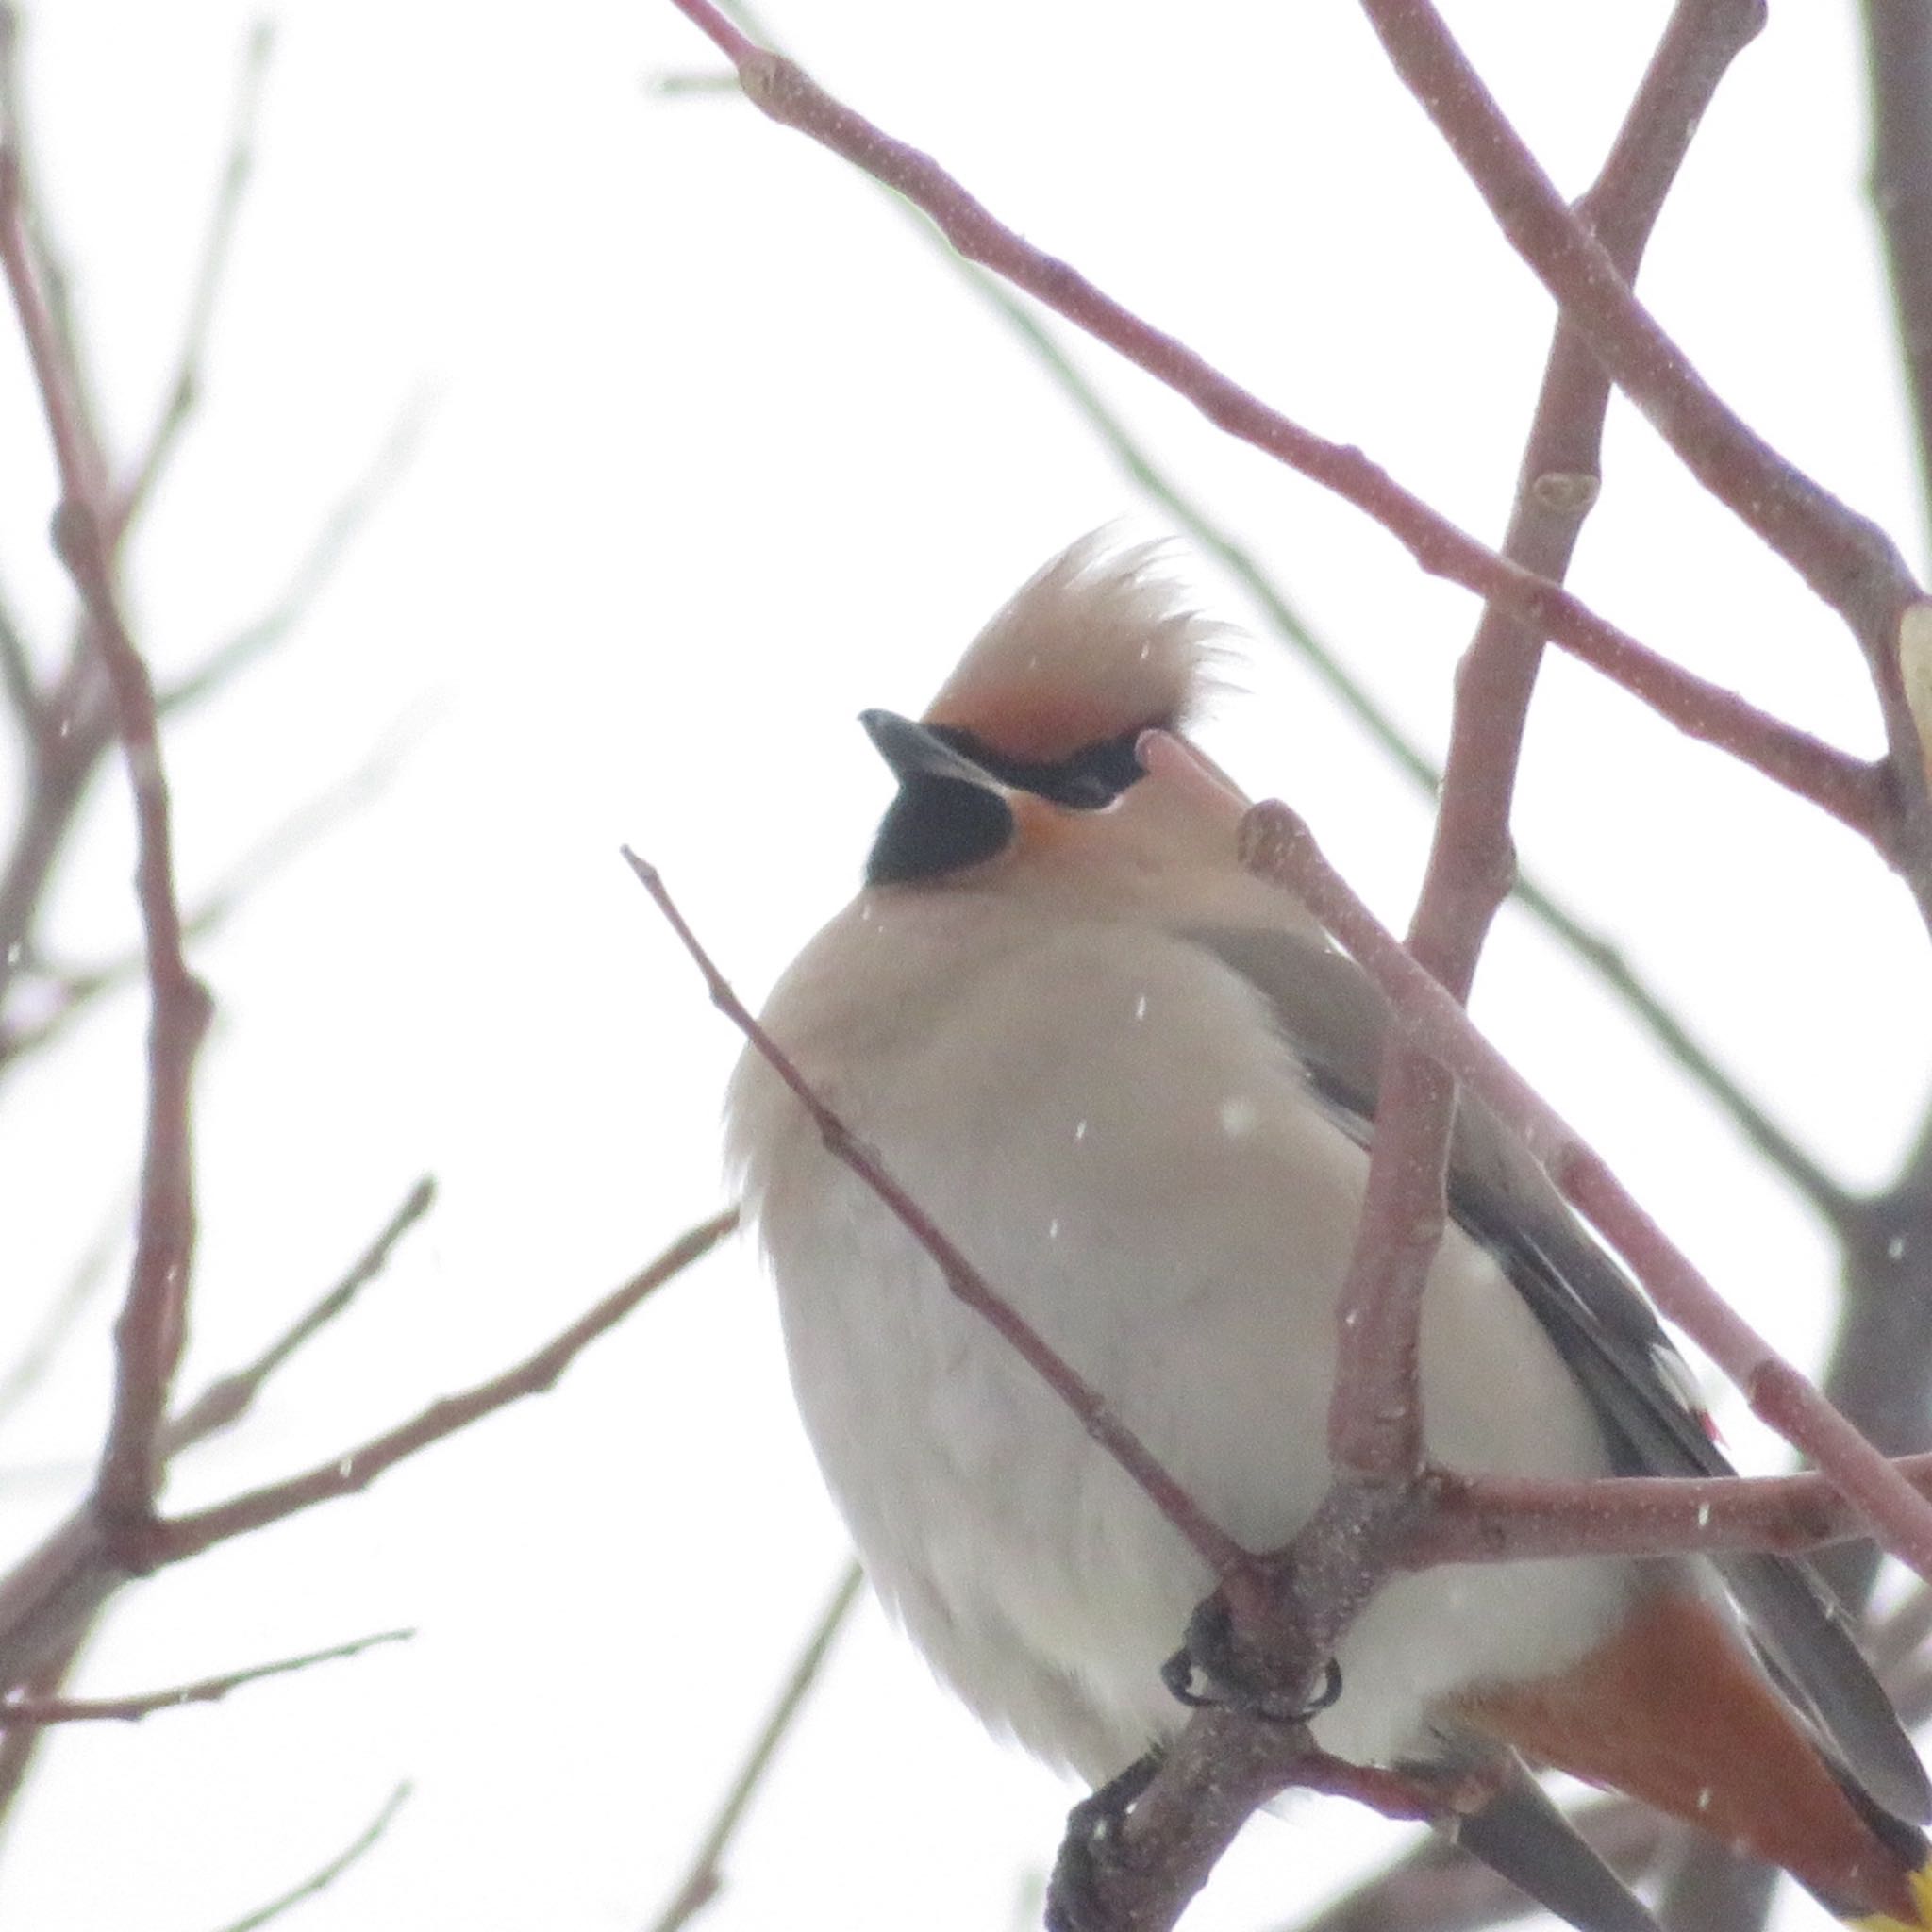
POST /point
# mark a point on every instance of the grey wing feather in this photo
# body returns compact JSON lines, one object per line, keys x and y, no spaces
{"x":1521,"y":1835}
{"x":1335,"y":1020}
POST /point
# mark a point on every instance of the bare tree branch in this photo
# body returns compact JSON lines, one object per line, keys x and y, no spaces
{"x":1375,"y":1421}
{"x":55,"y":280}
{"x":57,"y":1590}
{"x":19,"y":1749}
{"x":313,"y":572}
{"x":1212,"y":1545}
{"x":227,"y":1399}
{"x":1710,"y":1885}
{"x":152,"y":1327}
{"x":83,"y":1283}
{"x":70,"y":992}
{"x":184,"y":388}
{"x":1507,"y":1519}
{"x":1281,"y":846}
{"x":72,"y":735}
{"x":29,"y":1713}
{"x":1849,"y":789}
{"x":1898,"y":45}
{"x":17,"y":675}
{"x":1827,"y":1196}
{"x":176,"y":1539}
{"x":356,"y":1849}
{"x":702,"y":1883}
{"x":1845,"y":558}
{"x":1439,"y":1888}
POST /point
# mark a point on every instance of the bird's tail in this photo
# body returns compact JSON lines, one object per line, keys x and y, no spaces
{"x":1920,"y":1883}
{"x":1671,"y":1712}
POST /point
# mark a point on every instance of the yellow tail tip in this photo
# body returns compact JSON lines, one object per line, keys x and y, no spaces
{"x":1921,"y":1883}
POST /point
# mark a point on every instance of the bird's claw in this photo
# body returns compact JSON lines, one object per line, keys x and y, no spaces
{"x":1229,"y":1680}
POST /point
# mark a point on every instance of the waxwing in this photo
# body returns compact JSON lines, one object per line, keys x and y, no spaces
{"x":1133,"y":1085}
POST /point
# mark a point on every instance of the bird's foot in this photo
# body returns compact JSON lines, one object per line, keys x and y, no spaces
{"x":1230,"y":1677}
{"x":1093,"y":1824}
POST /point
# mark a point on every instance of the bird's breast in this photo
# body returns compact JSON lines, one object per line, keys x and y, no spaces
{"x":1107,"y":1125}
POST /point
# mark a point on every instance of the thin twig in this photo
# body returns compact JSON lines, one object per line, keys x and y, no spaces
{"x":1375,"y":1421}
{"x":184,"y":388}
{"x":72,"y":992}
{"x":1846,"y":558}
{"x":19,"y":1749}
{"x":56,"y":279}
{"x":1897,"y":1638}
{"x":1898,"y":65}
{"x":59,"y":1586}
{"x":1226,"y":1557}
{"x":229,"y":1397}
{"x":152,"y":1327}
{"x":73,"y":735}
{"x":1278,"y":846}
{"x":1672,"y":1033}
{"x":1440,"y":1887}
{"x":1829,"y":1198}
{"x":178,"y":1537}
{"x":1187,"y":513}
{"x":315,"y":571}
{"x":1880,"y":1363}
{"x":24,"y":1711}
{"x":83,"y":1283}
{"x":17,"y":675}
{"x":705,"y":1879}
{"x":1484,"y":1519}
{"x":358,"y":1847}
{"x":67,"y":1579}
{"x":1843,"y":786}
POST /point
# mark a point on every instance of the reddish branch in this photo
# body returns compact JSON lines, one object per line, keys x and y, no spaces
{"x":56,"y":1589}
{"x":1226,"y":1557}
{"x":48,"y":1597}
{"x":19,"y":1749}
{"x":181,"y":1536}
{"x":1279,"y":846}
{"x":1898,"y":35}
{"x":17,"y":1711}
{"x":1846,"y":558}
{"x":1506,"y":1519}
{"x":1225,"y":1764}
{"x":151,"y":1330}
{"x":1171,"y":1837}
{"x":1848,"y":788}
{"x":1375,"y":1421}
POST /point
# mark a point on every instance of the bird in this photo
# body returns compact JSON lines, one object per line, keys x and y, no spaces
{"x":1135,"y":1085}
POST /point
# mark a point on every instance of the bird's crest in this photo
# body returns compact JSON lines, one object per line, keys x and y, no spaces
{"x":1094,"y":645}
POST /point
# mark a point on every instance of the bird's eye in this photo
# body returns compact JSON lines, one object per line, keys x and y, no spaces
{"x":1097,"y":775}
{"x":1092,"y":778}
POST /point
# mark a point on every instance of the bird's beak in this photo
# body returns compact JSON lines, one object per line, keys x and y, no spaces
{"x":912,"y":751}
{"x":949,"y":814}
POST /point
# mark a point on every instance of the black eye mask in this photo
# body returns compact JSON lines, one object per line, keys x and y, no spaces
{"x":1093,"y":777}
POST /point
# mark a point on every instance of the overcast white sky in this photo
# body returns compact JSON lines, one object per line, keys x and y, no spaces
{"x":716,"y":453}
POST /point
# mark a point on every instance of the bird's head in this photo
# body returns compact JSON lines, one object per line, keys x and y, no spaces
{"x":1024,"y":770}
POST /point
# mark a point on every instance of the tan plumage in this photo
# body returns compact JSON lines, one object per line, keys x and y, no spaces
{"x":1130,"y":1082}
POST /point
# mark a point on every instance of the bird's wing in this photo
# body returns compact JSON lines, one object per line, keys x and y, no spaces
{"x":1335,"y":1020}
{"x":1521,"y":1835}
